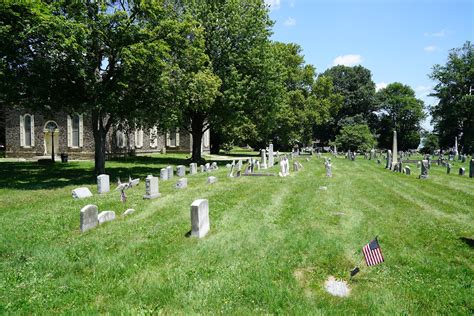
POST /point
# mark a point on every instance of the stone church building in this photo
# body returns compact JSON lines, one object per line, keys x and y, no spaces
{"x":31,"y":135}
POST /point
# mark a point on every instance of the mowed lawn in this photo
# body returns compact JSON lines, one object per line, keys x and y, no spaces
{"x":273,"y":241}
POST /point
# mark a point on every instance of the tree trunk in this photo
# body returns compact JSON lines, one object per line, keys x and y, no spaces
{"x":215,"y":142}
{"x":197,"y":125}
{"x":100,"y":134}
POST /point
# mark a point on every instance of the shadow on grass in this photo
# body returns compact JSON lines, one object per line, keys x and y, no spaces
{"x":37,"y":176}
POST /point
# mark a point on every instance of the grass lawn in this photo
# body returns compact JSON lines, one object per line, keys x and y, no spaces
{"x":273,"y":241}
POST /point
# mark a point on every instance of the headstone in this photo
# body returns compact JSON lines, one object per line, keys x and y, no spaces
{"x":182,"y":183}
{"x":164,"y":174}
{"x":239,"y":165}
{"x":89,"y":214}
{"x":81,"y":193}
{"x":231,"y":172}
{"x":323,"y":188}
{"x":328,"y":168}
{"x":424,"y":169}
{"x":448,"y":168}
{"x":462,"y":171}
{"x":270,"y":156}
{"x":192,"y":168}
{"x":106,"y":216}
{"x":455,"y":146}
{"x":180,"y":171}
{"x":394,"y":149}
{"x":128,"y":212}
{"x":152,"y":187}
{"x":471,"y":168}
{"x":407,"y":170}
{"x":258,"y":165}
{"x":207,"y":167}
{"x":103,"y":183}
{"x":170,"y":172}
{"x":200,"y":218}
{"x":295,"y":166}
{"x":211,"y":179}
{"x":389,"y":160}
{"x":214,"y":166}
{"x":263,"y":157}
{"x":203,"y":169}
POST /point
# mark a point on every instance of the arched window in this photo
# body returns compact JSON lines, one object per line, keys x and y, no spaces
{"x":75,"y":130}
{"x":27,"y":130}
{"x":121,"y":140}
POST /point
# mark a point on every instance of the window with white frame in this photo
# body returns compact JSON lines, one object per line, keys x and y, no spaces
{"x":121,"y":139}
{"x":75,"y":130}
{"x":172,"y":139}
{"x":206,"y":138}
{"x":139,"y":138}
{"x":27,"y":130}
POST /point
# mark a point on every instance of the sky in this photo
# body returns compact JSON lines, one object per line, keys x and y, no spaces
{"x":398,"y":40}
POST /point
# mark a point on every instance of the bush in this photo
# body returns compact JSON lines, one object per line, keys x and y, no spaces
{"x":355,"y":138}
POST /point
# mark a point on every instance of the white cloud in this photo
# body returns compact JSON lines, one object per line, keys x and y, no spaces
{"x":347,"y":60}
{"x":273,"y":4}
{"x":292,"y":3}
{"x":430,"y":49}
{"x":290,"y":22}
{"x":441,"y":33}
{"x":380,"y":85}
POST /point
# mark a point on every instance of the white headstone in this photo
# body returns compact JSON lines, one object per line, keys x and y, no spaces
{"x":182,"y":183}
{"x":106,"y":216}
{"x":152,"y":187}
{"x":103,"y":183}
{"x":211,"y":179}
{"x":180,"y":171}
{"x":170,"y":172}
{"x":203,"y":169}
{"x":81,"y":193}
{"x":193,"y":168}
{"x":200,"y":218}
{"x":164,"y":174}
{"x":89,"y":217}
{"x":270,"y":156}
{"x":128,"y":212}
{"x":207,"y":166}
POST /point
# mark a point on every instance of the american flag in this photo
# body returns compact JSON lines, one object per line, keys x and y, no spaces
{"x":123,"y":196}
{"x":373,"y":253}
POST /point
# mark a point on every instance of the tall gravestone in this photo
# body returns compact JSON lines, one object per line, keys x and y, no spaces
{"x":103,"y":183}
{"x":152,"y":187}
{"x":89,"y":217}
{"x":170,"y":172}
{"x":389,"y":160}
{"x":328,"y":168}
{"x":263,"y":158}
{"x":180,"y":171}
{"x":394,"y":150}
{"x":271,"y":161}
{"x":424,"y":169}
{"x":193,"y":168}
{"x":200,"y":224}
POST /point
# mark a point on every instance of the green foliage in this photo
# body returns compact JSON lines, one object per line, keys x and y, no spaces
{"x":355,"y":138}
{"x":454,"y":114}
{"x":400,"y":111}
{"x":430,"y":143}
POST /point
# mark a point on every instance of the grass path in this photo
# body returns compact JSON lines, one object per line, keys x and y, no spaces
{"x":273,"y":242}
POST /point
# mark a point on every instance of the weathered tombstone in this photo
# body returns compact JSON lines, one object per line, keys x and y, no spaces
{"x":203,"y":169}
{"x":263,"y":157}
{"x":182,"y":183}
{"x":448,"y":168}
{"x":239,"y":165}
{"x":394,"y":150}
{"x":211,"y":180}
{"x":164,"y":174}
{"x":231,"y":172}
{"x":180,"y":171}
{"x":152,"y":187}
{"x":128,"y":212}
{"x":89,"y":218}
{"x":81,"y":193}
{"x":207,"y":167}
{"x":103,"y":183}
{"x":106,"y":216}
{"x":295,"y":166}
{"x":389,"y":160}
{"x":170,"y":172}
{"x":328,"y":168}
{"x":471,"y":168}
{"x":214,"y":166}
{"x":200,"y":218}
{"x":424,"y":169}
{"x":270,"y":156}
{"x":462,"y":171}
{"x":407,"y":170}
{"x":193,"y":168}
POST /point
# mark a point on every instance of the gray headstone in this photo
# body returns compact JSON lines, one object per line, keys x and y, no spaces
{"x":193,"y":168}
{"x":407,"y":170}
{"x":200,"y":218}
{"x":207,"y":166}
{"x":389,"y":160}
{"x":103,"y":183}
{"x":106,"y":216}
{"x":164,"y":174}
{"x":270,"y":156}
{"x":211,"y":179}
{"x":180,"y":171}
{"x":203,"y":169}
{"x":81,"y":193}
{"x":462,"y":171}
{"x":295,"y":166}
{"x":170,"y":172}
{"x":89,"y":214}
{"x":328,"y":168}
{"x":424,"y":169}
{"x":128,"y":212}
{"x":182,"y":183}
{"x":152,"y":187}
{"x":214,"y":166}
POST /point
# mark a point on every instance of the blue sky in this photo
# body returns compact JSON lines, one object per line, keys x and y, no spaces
{"x":398,"y":40}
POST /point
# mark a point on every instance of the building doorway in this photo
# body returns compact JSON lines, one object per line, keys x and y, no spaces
{"x":48,"y":138}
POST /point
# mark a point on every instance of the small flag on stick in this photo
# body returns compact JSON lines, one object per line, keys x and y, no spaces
{"x":373,"y":253}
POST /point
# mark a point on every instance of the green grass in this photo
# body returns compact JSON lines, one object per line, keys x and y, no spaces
{"x":273,"y":242}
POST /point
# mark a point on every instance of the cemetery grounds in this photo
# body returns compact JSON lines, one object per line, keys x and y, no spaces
{"x":273,"y":241}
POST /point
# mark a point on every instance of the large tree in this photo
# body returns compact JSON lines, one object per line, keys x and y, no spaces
{"x":400,"y":110}
{"x":108,"y":60}
{"x":453,"y":115}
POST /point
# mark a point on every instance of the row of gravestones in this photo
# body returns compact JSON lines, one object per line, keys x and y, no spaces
{"x":200,"y":224}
